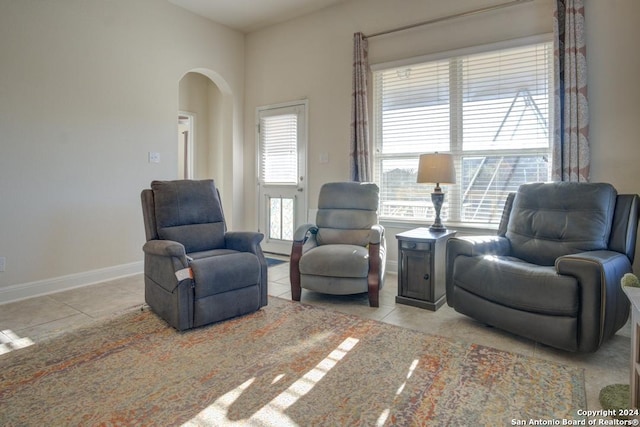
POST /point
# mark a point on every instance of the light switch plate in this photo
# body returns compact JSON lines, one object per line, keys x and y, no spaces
{"x":154,"y":157}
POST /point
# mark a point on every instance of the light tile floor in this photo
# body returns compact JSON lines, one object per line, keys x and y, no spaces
{"x":40,"y":318}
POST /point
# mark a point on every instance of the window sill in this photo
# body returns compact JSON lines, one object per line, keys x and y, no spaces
{"x":463,"y":227}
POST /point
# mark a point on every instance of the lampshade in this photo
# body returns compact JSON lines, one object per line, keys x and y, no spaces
{"x":436,"y":168}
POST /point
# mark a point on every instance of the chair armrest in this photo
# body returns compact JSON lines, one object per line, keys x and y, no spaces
{"x":605,"y":266}
{"x":603,"y":306}
{"x":377,"y":234}
{"x":243,"y":241}
{"x":249,"y":241}
{"x":302,"y":231}
{"x":163,"y":258}
{"x":471,"y":246}
{"x":478,"y":245}
{"x":303,"y":239}
{"x":166,"y":248}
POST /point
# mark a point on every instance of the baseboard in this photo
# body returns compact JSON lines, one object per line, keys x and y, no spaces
{"x":392,"y":266}
{"x":64,"y":283}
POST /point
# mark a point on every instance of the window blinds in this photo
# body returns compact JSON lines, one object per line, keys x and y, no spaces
{"x":491,"y":110}
{"x":278,"y":145}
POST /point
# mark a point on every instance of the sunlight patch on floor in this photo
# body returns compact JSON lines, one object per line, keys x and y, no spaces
{"x":272,"y":414}
{"x":382,"y":419}
{"x":10,"y":341}
{"x":412,"y":368}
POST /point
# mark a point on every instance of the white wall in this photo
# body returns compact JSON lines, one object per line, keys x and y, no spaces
{"x":87,"y":89}
{"x":613,"y":60}
{"x":613,"y":68}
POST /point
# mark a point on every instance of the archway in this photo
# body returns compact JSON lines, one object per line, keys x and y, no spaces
{"x":208,"y":100}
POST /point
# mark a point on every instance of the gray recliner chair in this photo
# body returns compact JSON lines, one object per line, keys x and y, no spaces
{"x":344,"y":252}
{"x":195,"y":271}
{"x":552,"y":273}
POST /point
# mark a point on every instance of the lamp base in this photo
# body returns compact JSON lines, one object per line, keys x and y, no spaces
{"x":437,"y":198}
{"x":438,"y":228}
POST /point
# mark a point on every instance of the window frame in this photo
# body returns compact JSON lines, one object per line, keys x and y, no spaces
{"x":455,"y":142}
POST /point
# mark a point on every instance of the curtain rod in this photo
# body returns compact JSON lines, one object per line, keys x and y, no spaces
{"x":447,"y":18}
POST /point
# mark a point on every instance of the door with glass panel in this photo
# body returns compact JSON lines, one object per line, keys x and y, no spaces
{"x":282,"y":201}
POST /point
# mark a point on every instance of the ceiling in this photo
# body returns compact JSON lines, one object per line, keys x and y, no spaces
{"x":252,"y":15}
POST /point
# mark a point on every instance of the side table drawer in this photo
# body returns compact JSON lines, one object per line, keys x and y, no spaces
{"x":415,"y":246}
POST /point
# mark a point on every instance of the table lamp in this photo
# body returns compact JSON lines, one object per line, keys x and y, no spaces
{"x":436,"y":168}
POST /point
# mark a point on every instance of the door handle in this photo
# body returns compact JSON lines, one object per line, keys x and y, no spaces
{"x":299,"y":190}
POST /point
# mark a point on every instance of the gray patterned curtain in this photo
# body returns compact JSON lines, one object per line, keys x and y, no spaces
{"x":571,"y":159}
{"x":360,"y":167}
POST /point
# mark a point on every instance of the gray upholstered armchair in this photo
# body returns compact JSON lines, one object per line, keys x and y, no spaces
{"x":552,"y":273}
{"x":344,"y":252}
{"x":195,"y":271}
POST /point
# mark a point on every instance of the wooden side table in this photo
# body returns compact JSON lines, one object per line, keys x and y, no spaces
{"x":421,"y":267}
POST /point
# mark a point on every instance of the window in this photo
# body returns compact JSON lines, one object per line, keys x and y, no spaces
{"x":491,"y":110}
{"x":279,"y":149}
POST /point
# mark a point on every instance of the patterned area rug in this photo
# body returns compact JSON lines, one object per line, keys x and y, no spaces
{"x":289,"y":364}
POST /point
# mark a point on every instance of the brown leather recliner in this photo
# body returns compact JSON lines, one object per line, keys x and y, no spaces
{"x":552,"y":273}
